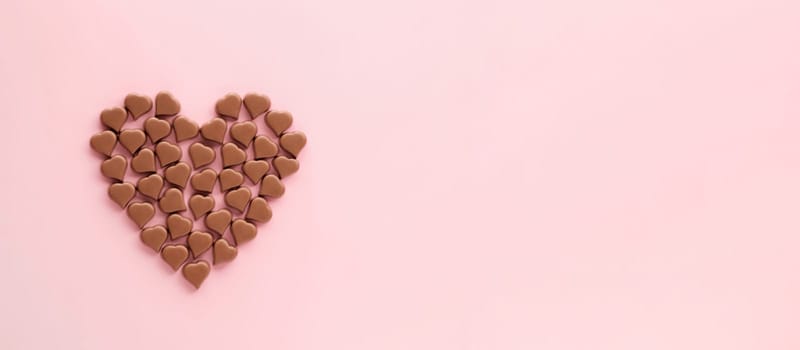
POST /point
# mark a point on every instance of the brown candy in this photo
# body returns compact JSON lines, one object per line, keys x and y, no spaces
{"x":132,"y":139}
{"x":178,"y":225}
{"x":232,"y":155}
{"x":156,"y":129}
{"x":264,"y":148}
{"x":141,"y":213}
{"x":113,"y":118}
{"x":103,"y":142}
{"x":168,"y":153}
{"x":200,"y":205}
{"x":166,"y":105}
{"x":185,"y":128}
{"x":238,"y":198}
{"x":204,"y":181}
{"x":285,"y":166}
{"x":154,"y":237}
{"x":178,"y":174}
{"x":138,"y":105}
{"x":293,"y":142}
{"x":279,"y":121}
{"x":244,"y":132}
{"x":114,"y":167}
{"x":218,"y":221}
{"x":121,"y":193}
{"x":242,"y":231}
{"x":172,"y":201}
{"x":255,"y":104}
{"x":201,"y":155}
{"x":259,"y":210}
{"x":271,"y":186}
{"x":144,"y":162}
{"x":229,"y":106}
{"x":196,"y":272}
{"x":175,"y":255}
{"x":214,"y":130}
{"x":199,"y":242}
{"x":150,"y":186}
{"x":255,"y":169}
{"x":229,"y":178}
{"x":223,"y":251}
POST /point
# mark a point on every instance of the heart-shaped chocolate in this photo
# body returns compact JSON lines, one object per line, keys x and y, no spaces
{"x":168,"y":181}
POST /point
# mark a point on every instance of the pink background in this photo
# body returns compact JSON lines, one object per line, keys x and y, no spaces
{"x":575,"y":174}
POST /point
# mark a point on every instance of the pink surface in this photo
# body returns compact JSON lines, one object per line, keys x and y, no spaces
{"x":480,"y":175}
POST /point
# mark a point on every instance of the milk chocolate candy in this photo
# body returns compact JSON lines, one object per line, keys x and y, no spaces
{"x":229,"y":106}
{"x":114,"y":167}
{"x":256,"y":104}
{"x":279,"y":121}
{"x":259,"y":210}
{"x":185,"y":128}
{"x":285,"y":166}
{"x":199,"y":242}
{"x":113,"y":118}
{"x":132,"y":139}
{"x":121,"y":193}
{"x":244,"y":132}
{"x":103,"y":142}
{"x":175,"y":255}
{"x":229,"y":178}
{"x":204,"y":181}
{"x":178,"y":174}
{"x":223,"y":251}
{"x":154,"y":237}
{"x":156,"y":129}
{"x":264,"y":148}
{"x":293,"y":142}
{"x":166,"y":105}
{"x":178,"y":226}
{"x":200,"y":205}
{"x":238,"y":198}
{"x":214,"y":130}
{"x":242,"y":231}
{"x":255,"y":169}
{"x":168,"y":153}
{"x":201,"y":155}
{"x":271,"y":186}
{"x":172,"y":201}
{"x":144,"y":162}
{"x":232,"y":155}
{"x":150,"y":186}
{"x":141,"y":213}
{"x":218,"y":221}
{"x":137,"y":105}
{"x":196,"y":272}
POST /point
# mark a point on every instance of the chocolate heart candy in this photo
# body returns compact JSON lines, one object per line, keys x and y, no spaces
{"x":175,"y":255}
{"x":238,"y":198}
{"x":255,"y":104}
{"x":264,"y":148}
{"x":138,"y":105}
{"x":199,"y":242}
{"x":141,"y":213}
{"x":204,"y":181}
{"x":255,"y":169}
{"x":285,"y":166}
{"x":178,"y":174}
{"x":185,"y":128}
{"x":201,"y":155}
{"x":244,"y":132}
{"x":103,"y":142}
{"x":144,"y":162}
{"x":271,"y":186}
{"x":218,"y":221}
{"x":200,"y":205}
{"x":172,"y":201}
{"x":293,"y":142}
{"x":121,"y":193}
{"x":259,"y":210}
{"x":156,"y":129}
{"x":168,"y":153}
{"x":229,"y":106}
{"x":150,"y":186}
{"x":214,"y":130}
{"x":229,"y":178}
{"x":279,"y":121}
{"x":178,"y":226}
{"x":223,"y":251}
{"x":113,"y":118}
{"x":242,"y":231}
{"x":132,"y":139}
{"x":154,"y":237}
{"x":196,"y":272}
{"x":114,"y":167}
{"x":167,"y":105}
{"x":232,"y":155}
